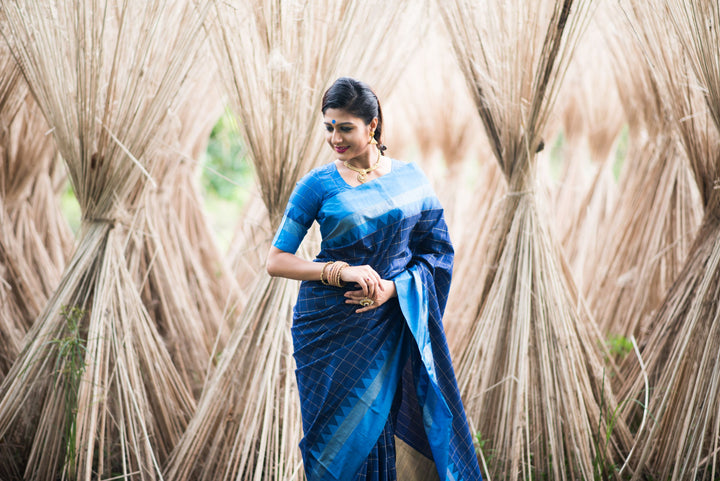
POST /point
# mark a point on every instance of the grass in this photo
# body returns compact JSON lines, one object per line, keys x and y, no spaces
{"x":69,"y":369}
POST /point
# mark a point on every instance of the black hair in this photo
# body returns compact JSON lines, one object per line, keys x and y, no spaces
{"x":358,"y":99}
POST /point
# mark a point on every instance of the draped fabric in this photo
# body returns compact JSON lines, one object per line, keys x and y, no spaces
{"x":376,"y":386}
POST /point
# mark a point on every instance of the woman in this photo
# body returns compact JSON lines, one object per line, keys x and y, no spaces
{"x":378,"y":394}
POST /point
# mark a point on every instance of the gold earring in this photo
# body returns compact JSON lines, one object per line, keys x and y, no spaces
{"x":372,"y":138}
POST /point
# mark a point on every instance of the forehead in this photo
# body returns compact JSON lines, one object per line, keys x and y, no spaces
{"x":340,"y":116}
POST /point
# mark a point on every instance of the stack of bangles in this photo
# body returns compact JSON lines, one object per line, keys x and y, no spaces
{"x":332,"y":277}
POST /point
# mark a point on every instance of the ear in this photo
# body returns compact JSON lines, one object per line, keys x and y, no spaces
{"x":374,"y":123}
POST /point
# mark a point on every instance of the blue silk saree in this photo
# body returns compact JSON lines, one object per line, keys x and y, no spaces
{"x":378,"y":394}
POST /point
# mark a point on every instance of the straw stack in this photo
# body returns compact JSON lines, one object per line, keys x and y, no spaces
{"x":277,"y":58}
{"x":588,"y":194}
{"x":433,"y":100}
{"x":94,"y":393}
{"x":34,"y":239}
{"x":680,"y":438}
{"x":252,"y":236}
{"x":658,"y":208}
{"x":432,"y":114}
{"x":184,"y":281}
{"x":532,"y":377}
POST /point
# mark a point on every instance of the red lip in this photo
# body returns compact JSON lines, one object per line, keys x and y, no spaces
{"x":340,"y":150}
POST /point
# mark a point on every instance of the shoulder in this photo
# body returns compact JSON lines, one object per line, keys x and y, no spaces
{"x":416,"y":182}
{"x":317,"y":178}
{"x":410,"y":169}
{"x":319,"y":173}
{"x":413,"y":177}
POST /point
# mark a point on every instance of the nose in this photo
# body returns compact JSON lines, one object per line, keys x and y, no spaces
{"x":335,"y":139}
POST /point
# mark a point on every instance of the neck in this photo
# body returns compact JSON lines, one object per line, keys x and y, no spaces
{"x":367,"y":159}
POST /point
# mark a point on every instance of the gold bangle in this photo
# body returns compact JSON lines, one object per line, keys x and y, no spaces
{"x":340,"y":282}
{"x":323,"y":277}
{"x":334,"y":274}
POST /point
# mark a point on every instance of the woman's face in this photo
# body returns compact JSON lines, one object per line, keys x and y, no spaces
{"x":347,"y":135}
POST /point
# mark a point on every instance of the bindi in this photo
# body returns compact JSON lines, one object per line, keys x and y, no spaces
{"x":333,"y":121}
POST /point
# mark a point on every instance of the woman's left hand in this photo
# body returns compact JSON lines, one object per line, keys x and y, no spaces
{"x":382,"y":295}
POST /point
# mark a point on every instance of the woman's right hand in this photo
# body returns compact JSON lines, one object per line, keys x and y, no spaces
{"x":365,"y":277}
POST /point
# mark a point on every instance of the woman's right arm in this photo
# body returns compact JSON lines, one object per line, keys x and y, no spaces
{"x":284,"y":264}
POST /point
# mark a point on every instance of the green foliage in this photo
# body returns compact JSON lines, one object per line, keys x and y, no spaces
{"x":70,"y":207}
{"x":226,"y":171}
{"x":69,"y":369}
{"x":487,"y":453}
{"x":621,"y":152}
{"x":556,"y":156}
{"x":619,"y":346}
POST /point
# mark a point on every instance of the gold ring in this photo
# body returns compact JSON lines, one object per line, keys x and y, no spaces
{"x":366,"y":302}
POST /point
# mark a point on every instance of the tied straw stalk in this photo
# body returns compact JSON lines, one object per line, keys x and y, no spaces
{"x":680,"y":440}
{"x":94,"y":392}
{"x":184,"y":282}
{"x":586,"y":199}
{"x":433,"y":93}
{"x":34,"y":239}
{"x":640,"y":260}
{"x":276,"y":59}
{"x":531,"y":373}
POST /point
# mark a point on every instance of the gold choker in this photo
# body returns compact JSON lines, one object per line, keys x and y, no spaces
{"x":362,"y":173}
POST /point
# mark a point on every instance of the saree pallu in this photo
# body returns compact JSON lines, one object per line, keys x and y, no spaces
{"x":378,"y":393}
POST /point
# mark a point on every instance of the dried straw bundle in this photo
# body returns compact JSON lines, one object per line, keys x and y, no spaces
{"x":471,"y":249}
{"x":640,"y":259}
{"x":586,"y":201}
{"x":183,"y":279}
{"x":681,"y":438}
{"x":32,"y":263}
{"x":433,"y":101}
{"x":531,"y":373}
{"x":457,"y":160}
{"x":246,"y":255}
{"x":34,"y":239}
{"x":276,"y":59}
{"x":94,"y":392}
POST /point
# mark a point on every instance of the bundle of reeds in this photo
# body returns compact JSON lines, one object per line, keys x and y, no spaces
{"x":433,"y":104}
{"x":31,"y":272}
{"x":246,"y":255}
{"x":639,"y":259}
{"x":94,"y":393}
{"x":680,"y":440}
{"x":184,"y":282}
{"x":33,"y":235}
{"x":586,"y":198}
{"x":432,"y":112}
{"x":532,"y":373}
{"x":276,"y":59}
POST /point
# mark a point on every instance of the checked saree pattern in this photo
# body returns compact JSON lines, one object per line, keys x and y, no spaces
{"x":377,"y":386}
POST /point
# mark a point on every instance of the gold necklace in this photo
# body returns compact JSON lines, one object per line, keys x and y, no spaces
{"x":362,"y":173}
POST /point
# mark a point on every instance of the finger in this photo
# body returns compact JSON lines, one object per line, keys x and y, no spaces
{"x":371,"y":288}
{"x":365,"y":288}
{"x":354,"y":294}
{"x":374,"y":283}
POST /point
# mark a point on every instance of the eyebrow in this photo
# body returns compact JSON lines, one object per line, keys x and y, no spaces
{"x":339,"y":123}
